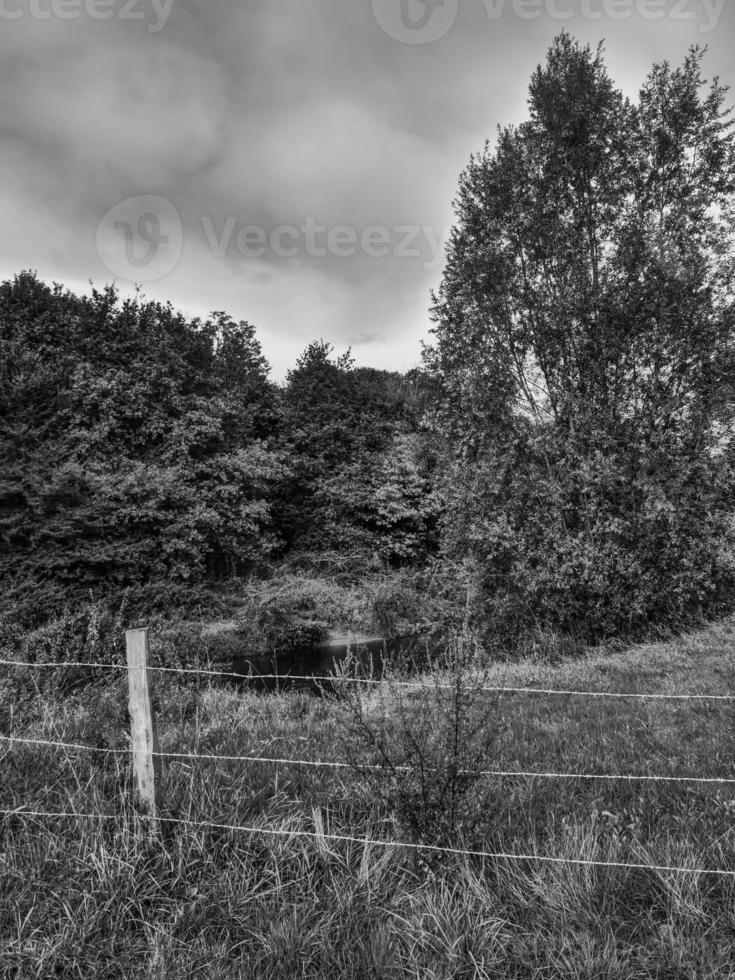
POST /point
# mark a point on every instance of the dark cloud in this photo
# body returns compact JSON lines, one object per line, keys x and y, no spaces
{"x":282,"y":115}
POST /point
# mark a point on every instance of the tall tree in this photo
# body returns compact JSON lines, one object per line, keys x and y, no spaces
{"x":584,"y":350}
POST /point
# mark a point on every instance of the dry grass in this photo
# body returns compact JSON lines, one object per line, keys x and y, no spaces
{"x":81,"y":898}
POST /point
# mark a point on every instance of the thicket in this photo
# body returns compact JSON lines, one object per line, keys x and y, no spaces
{"x":146,"y":452}
{"x":132,"y":443}
{"x":360,"y":466}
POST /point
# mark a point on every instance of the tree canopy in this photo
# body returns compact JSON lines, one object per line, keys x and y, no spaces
{"x":133,"y":442}
{"x":143,"y":449}
{"x":584,"y":350}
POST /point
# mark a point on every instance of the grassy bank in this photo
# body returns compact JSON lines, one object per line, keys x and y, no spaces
{"x":82,"y":898}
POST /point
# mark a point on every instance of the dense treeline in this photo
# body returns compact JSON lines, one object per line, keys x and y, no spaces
{"x":567,"y":444}
{"x":142,"y":448}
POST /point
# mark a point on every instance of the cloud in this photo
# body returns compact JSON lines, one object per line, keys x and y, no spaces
{"x":273,"y":114}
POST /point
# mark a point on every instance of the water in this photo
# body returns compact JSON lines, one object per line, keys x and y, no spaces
{"x":372,"y":653}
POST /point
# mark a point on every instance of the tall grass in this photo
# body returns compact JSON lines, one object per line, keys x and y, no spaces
{"x":96,"y":898}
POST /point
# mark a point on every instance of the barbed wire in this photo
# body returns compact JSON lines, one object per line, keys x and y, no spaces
{"x":359,"y":767}
{"x":411,"y":685}
{"x":377,"y":842}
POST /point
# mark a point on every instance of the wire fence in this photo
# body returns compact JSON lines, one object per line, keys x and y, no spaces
{"x":384,"y":681}
{"x":319,"y":835}
{"x":360,"y":766}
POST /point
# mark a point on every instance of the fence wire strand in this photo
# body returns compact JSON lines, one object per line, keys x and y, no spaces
{"x":361,"y":767}
{"x":409,"y":685}
{"x":377,"y":842}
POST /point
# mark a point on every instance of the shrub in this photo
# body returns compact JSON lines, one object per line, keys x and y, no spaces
{"x":292,"y":611}
{"x":425,"y":743}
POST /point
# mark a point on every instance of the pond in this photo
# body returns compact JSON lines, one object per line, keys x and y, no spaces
{"x":371,"y":652}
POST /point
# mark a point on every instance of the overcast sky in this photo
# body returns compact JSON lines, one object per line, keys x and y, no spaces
{"x":292,"y":162}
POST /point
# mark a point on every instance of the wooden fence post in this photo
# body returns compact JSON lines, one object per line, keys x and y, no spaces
{"x":146,"y":763}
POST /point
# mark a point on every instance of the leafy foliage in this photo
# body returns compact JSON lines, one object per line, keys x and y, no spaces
{"x":147,"y":452}
{"x":584,"y":353}
{"x":360,"y":472}
{"x":133,"y":441}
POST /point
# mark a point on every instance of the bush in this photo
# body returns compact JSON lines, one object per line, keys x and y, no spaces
{"x":587,"y":553}
{"x":431,"y":600}
{"x":425,"y":744}
{"x":91,"y":634}
{"x":291,"y":611}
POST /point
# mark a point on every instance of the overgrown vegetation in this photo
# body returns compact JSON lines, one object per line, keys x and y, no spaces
{"x":85,"y":897}
{"x":133,"y":446}
{"x":151,"y":455}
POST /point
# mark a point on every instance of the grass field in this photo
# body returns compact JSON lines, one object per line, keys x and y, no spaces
{"x":97,"y":898}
